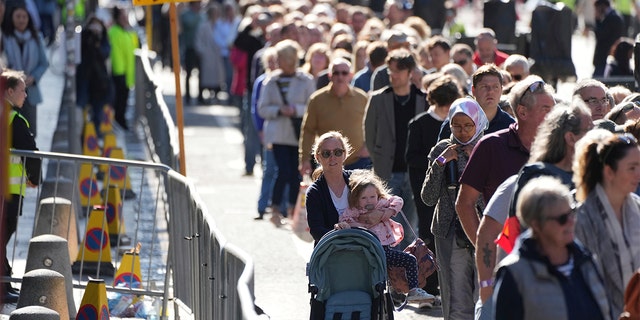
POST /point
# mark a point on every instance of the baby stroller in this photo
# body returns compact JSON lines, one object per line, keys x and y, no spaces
{"x":347,"y":277}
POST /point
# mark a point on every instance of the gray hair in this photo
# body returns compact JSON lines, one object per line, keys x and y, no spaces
{"x":519,"y":94}
{"x":549,"y":144}
{"x":516,"y":60}
{"x":537,"y":196}
{"x":587,"y":83}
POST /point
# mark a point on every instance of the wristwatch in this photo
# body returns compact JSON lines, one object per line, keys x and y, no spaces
{"x":441,"y":161}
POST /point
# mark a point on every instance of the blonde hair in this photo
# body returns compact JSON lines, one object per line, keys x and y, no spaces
{"x":360,"y":180}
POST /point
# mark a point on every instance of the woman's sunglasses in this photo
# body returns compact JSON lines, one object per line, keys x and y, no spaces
{"x":563,"y":218}
{"x":327,"y":153}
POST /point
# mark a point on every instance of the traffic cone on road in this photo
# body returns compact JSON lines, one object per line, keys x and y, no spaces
{"x":117,"y":230}
{"x":95,"y":254}
{"x":90,"y":146}
{"x":128,"y":273}
{"x":106,"y":119}
{"x":88,"y":187}
{"x":94,"y":301}
{"x":109,"y":142}
{"x":118,"y":174}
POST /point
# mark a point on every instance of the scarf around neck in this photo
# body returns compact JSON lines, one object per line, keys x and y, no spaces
{"x":625,"y":237}
{"x":22,"y":50}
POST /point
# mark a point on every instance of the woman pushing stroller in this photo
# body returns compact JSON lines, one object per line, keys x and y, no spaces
{"x":367,"y":192}
{"x":328,"y":197}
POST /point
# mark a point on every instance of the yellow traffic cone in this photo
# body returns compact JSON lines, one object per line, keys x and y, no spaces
{"x":109,"y":142}
{"x":128,"y":273}
{"x":94,"y":301}
{"x":118,"y":175}
{"x":106,"y":119}
{"x":88,"y":186}
{"x":117,"y":230}
{"x":95,"y":254}
{"x":90,"y":146}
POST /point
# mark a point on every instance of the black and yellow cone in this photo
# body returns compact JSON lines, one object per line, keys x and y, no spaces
{"x":118,"y":175}
{"x":106,"y":119}
{"x":109,"y":142}
{"x":88,"y":187}
{"x":117,"y":230}
{"x":128,"y":273}
{"x":95,"y":254}
{"x":94,"y":302}
{"x":90,"y":145}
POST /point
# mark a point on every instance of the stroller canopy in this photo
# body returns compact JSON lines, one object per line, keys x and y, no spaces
{"x":345,"y":260}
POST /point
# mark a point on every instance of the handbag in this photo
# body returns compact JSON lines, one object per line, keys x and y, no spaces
{"x":296,"y":122}
{"x":425,"y":258}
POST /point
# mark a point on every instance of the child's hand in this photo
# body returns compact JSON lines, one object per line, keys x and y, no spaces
{"x":341,"y":225}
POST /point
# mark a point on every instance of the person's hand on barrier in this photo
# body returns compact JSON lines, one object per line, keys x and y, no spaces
{"x":30,"y":184}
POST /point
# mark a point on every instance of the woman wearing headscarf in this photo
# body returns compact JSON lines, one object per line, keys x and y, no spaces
{"x":447,"y":160}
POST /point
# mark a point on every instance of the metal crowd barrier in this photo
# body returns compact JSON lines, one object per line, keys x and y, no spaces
{"x":141,"y":214}
{"x":185,"y":259}
{"x":211,"y":278}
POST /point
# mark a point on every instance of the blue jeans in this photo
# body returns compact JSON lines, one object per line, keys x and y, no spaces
{"x":400,"y":186}
{"x":269,"y":174}
{"x":288,"y":175}
{"x":251,"y":139}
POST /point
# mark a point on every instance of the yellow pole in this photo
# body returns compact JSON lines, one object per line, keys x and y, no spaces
{"x":176,"y":72}
{"x":148,"y":26}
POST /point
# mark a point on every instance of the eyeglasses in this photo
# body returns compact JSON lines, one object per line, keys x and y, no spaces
{"x":340,"y":73}
{"x":596,"y":101}
{"x":563,"y":218}
{"x":466,"y":128}
{"x":327,"y":153}
{"x":461,"y":62}
{"x":621,"y":139}
{"x":532,"y":88}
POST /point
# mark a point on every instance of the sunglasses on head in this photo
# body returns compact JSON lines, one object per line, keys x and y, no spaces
{"x":563,"y":218}
{"x":327,"y":153}
{"x":532,"y":88}
{"x":621,"y":139}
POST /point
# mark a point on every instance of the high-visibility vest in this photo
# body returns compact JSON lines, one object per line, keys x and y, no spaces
{"x":17,"y":174}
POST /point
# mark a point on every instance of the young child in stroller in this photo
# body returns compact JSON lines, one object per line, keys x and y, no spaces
{"x":368,"y":192}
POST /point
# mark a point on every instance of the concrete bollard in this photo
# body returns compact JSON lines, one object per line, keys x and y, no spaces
{"x":34,"y":313}
{"x":56,"y":216}
{"x":62,"y":187}
{"x":50,"y":252}
{"x":42,"y":287}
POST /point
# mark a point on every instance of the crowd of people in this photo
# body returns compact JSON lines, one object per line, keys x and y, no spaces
{"x":457,"y":134}
{"x":480,"y":153}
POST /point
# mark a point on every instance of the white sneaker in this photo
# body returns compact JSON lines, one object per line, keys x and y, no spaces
{"x":419,"y":295}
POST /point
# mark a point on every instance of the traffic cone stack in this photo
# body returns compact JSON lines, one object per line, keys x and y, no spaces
{"x":94,"y":301}
{"x":88,"y":187}
{"x":90,"y":146}
{"x":114,"y":217}
{"x":128,"y":274}
{"x":106,"y":119}
{"x":95,"y":254}
{"x":118,"y":174}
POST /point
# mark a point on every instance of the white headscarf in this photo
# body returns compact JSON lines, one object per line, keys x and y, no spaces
{"x":472,"y":109}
